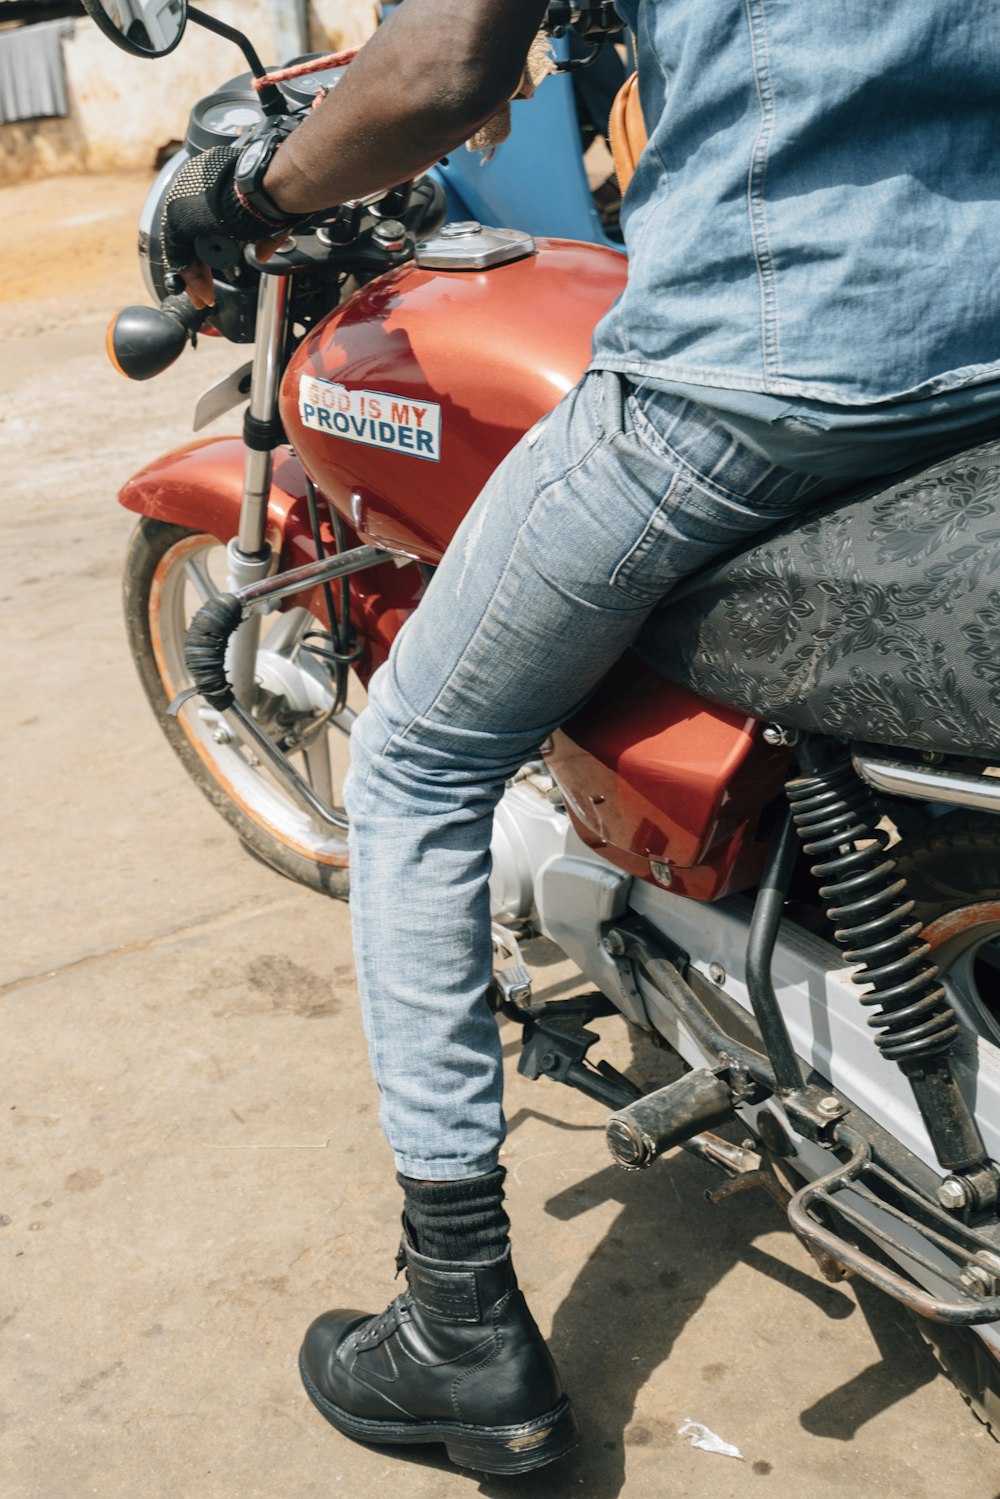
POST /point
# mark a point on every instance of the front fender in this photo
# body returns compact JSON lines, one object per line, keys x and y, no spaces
{"x":201,"y":486}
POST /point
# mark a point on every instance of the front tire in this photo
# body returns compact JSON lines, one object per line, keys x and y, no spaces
{"x":169,"y":572}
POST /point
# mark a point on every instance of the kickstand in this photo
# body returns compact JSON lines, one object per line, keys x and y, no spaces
{"x":556,"y":1043}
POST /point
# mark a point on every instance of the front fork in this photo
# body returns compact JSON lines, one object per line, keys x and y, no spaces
{"x":248,"y":553}
{"x":223,"y":638}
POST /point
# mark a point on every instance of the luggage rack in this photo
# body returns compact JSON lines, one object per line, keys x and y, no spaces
{"x":974,"y":1271}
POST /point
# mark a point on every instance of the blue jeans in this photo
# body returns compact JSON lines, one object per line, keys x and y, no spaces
{"x":595,"y":515}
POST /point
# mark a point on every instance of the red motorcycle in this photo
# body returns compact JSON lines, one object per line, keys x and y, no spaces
{"x":770,"y":839}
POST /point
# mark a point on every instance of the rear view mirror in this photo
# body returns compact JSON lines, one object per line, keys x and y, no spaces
{"x":146,"y":28}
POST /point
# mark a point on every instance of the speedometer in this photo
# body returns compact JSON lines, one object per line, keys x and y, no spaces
{"x":234,"y":109}
{"x":308,"y":86}
{"x":221,"y":117}
{"x":231,"y":118}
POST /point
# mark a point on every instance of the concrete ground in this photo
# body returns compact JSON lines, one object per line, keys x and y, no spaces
{"x":192,"y":1161}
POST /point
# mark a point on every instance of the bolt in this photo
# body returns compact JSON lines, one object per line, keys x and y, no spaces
{"x":779,"y":737}
{"x":977,"y":1279}
{"x":830,"y":1106}
{"x":614,"y":943}
{"x":661,"y":873}
{"x":717,"y":973}
{"x":222,"y":736}
{"x":549,"y":1062}
{"x":953,"y":1194}
{"x":390,"y":235}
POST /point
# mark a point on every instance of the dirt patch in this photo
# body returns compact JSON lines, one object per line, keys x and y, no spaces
{"x":68,"y":248}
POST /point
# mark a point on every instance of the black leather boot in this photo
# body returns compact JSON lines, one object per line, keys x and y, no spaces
{"x":457,"y":1358}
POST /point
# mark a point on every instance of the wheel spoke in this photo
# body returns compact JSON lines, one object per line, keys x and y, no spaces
{"x":318,"y":769}
{"x":200,"y":581}
{"x":285,"y":634}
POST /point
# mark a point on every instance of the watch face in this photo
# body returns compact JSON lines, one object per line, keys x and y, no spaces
{"x":251,"y":158}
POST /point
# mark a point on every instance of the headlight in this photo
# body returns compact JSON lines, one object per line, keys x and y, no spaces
{"x":151,"y":228}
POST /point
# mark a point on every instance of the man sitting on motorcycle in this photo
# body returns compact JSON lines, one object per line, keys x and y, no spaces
{"x":813,"y":233}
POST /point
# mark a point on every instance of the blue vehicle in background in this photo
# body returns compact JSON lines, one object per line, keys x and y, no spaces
{"x":537,"y":179}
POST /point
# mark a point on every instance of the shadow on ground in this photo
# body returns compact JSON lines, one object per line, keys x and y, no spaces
{"x":615,"y":1328}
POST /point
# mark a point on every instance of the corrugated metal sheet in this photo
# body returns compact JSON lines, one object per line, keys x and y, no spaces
{"x":32,"y":75}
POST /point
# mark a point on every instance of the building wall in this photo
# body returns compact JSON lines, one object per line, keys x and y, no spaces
{"x":124,"y":109}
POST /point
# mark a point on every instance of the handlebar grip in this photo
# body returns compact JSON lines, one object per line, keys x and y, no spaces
{"x":205,"y":647}
{"x":187,"y":314}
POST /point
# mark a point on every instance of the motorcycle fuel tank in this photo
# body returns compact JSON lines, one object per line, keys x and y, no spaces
{"x":405,"y":399}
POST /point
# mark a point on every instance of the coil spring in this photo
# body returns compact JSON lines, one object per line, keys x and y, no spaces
{"x":833,"y":812}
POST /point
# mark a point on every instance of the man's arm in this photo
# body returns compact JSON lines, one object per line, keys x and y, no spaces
{"x":424,"y":83}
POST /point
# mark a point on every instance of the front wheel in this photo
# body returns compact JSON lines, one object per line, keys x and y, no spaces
{"x":169,"y":573}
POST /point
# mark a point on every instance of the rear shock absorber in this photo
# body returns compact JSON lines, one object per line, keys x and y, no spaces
{"x":837,"y":820}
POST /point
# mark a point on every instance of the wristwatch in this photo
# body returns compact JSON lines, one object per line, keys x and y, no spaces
{"x":252,"y":163}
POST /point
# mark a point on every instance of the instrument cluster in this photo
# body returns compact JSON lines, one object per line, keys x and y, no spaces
{"x":219,"y":119}
{"x":224,"y":115}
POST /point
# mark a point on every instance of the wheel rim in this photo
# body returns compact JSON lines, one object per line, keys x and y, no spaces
{"x":296,"y":690}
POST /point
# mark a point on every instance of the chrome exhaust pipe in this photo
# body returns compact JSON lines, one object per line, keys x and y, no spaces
{"x":924,"y":783}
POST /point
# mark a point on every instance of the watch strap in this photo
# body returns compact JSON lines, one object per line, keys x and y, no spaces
{"x":262,"y":206}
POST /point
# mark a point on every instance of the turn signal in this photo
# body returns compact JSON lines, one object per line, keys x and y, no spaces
{"x":144,"y":341}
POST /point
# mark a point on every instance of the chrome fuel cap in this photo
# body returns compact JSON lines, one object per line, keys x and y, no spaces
{"x":470,"y":246}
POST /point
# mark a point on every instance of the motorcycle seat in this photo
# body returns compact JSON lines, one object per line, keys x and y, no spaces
{"x":874,"y":617}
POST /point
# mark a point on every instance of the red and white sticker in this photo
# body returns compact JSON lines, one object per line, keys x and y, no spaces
{"x":372,"y":417}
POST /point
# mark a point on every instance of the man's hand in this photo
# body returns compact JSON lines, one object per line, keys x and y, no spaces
{"x":424,"y":83}
{"x":204,"y":200}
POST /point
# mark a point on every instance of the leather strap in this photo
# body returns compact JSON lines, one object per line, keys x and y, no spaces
{"x":449,"y":1295}
{"x":627,"y":130}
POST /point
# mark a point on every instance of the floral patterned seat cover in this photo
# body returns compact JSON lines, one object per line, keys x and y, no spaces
{"x":876,"y":618}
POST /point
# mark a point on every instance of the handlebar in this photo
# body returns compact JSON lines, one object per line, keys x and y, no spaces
{"x":591,"y":21}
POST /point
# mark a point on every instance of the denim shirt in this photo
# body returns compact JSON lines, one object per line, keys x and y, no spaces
{"x":817,"y":213}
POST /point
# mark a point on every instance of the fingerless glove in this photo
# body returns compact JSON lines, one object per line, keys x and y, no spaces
{"x":204,"y":200}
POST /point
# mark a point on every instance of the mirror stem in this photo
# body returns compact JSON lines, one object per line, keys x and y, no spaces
{"x":272,"y":100}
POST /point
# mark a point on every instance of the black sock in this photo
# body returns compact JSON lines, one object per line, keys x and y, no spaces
{"x":457,"y":1220}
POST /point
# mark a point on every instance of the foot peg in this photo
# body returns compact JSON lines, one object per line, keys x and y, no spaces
{"x":643,"y":1130}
